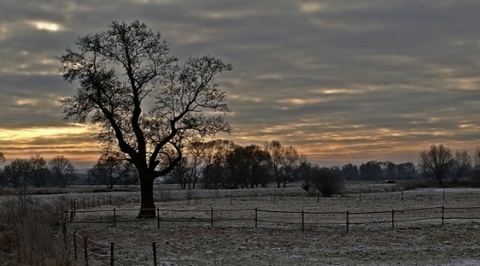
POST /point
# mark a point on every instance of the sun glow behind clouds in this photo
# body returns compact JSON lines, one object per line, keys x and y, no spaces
{"x":45,"y":25}
{"x":32,"y":133}
{"x":74,"y":142}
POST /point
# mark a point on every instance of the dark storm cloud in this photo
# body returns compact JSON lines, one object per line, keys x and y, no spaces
{"x":325,"y":76}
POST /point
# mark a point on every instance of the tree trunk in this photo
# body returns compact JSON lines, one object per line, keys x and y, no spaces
{"x":147,"y":208}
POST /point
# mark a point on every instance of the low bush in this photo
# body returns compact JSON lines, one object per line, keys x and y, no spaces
{"x":325,"y":181}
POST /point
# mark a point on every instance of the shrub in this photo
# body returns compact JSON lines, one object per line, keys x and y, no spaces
{"x":326,"y":181}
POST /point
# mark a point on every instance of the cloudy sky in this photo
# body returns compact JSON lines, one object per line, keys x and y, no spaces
{"x":342,"y":81}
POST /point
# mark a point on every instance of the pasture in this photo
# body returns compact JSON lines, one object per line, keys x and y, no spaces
{"x":280,"y":235}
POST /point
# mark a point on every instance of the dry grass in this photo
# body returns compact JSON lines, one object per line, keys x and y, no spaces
{"x":29,"y":232}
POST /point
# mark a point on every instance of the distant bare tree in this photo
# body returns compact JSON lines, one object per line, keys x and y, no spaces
{"x":17,"y":172}
{"x":62,"y":170}
{"x":247,"y":167}
{"x":199,"y":155}
{"x":274,"y":148}
{"x":214,"y":172}
{"x":2,"y":176}
{"x":435,"y":163}
{"x":406,"y":170}
{"x":284,"y":161}
{"x":291,"y":162}
{"x":111,"y":168}
{"x":476,"y":158}
{"x":39,"y":171}
{"x":371,"y":170}
{"x":350,"y":172}
{"x":460,"y":166}
{"x":180,"y":173}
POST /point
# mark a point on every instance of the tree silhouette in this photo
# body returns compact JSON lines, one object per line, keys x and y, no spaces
{"x":145,"y":104}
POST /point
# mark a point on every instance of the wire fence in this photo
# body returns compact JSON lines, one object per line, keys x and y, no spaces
{"x":98,"y":210}
{"x":87,"y":250}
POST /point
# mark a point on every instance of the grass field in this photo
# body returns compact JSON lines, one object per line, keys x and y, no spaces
{"x":190,"y":242}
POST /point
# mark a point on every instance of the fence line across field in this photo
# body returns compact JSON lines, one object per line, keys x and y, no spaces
{"x":264,"y":217}
{"x":90,"y":251}
{"x":105,"y":251}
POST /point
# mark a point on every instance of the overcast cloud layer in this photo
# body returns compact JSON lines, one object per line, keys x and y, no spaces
{"x":342,"y":81}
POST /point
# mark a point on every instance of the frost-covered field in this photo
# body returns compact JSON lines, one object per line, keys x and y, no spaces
{"x":240,"y":243}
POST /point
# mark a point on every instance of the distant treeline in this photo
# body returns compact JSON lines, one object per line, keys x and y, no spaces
{"x":223,"y":164}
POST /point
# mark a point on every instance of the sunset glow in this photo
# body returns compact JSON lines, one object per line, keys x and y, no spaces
{"x":341,"y":81}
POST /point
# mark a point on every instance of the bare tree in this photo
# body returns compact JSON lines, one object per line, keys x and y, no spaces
{"x":152,"y":107}
{"x":62,"y":170}
{"x":199,"y":155}
{"x":476,"y":158}
{"x":435,"y":163}
{"x":180,"y":173}
{"x":460,"y":166}
{"x":17,"y":172}
{"x":283,"y":160}
{"x":291,"y":162}
{"x":111,"y":168}
{"x":215,"y":155}
{"x":2,"y":176}
{"x":39,"y":171}
{"x":274,"y":148}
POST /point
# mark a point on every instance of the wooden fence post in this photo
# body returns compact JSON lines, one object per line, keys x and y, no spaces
{"x":71,"y":214}
{"x":158,"y":217}
{"x":154,"y":246}
{"x":64,"y":227}
{"x":402,"y":194}
{"x":85,"y":248}
{"x":111,"y":253}
{"x":443,"y":214}
{"x":75,"y":244}
{"x":211,"y":216}
{"x":393,"y":219}
{"x":347,"y":222}
{"x":303,"y":221}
